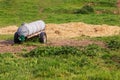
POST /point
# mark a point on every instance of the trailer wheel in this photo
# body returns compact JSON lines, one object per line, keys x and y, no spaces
{"x":43,"y":37}
{"x":16,"y":40}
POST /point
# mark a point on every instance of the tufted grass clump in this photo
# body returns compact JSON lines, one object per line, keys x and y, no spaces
{"x":114,"y":44}
{"x":50,"y":50}
{"x":85,"y":10}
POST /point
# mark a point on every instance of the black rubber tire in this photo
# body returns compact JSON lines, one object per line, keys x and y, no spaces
{"x":16,"y":40}
{"x":43,"y":37}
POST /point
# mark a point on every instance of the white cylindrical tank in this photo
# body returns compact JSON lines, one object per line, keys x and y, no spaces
{"x":31,"y":28}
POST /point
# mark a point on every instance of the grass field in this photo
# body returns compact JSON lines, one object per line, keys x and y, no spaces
{"x":15,"y":12}
{"x":62,"y":63}
{"x":91,"y":62}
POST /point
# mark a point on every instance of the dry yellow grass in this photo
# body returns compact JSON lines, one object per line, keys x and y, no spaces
{"x":73,"y":29}
{"x":76,"y":29}
{"x":8,"y":30}
{"x":60,"y":34}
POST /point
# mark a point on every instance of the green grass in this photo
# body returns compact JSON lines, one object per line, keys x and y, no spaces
{"x":112,"y":42}
{"x":66,"y":62}
{"x":6,"y":37}
{"x":68,"y":65}
{"x":15,"y":12}
{"x":108,"y":38}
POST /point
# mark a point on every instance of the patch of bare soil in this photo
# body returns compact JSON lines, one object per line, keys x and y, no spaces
{"x":73,"y":42}
{"x":8,"y":46}
{"x":60,"y":34}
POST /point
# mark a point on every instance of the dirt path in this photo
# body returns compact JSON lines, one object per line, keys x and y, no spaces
{"x":60,"y":34}
{"x":73,"y":42}
{"x":9,"y":47}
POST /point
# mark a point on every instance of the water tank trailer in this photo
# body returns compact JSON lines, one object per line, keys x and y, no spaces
{"x":29,"y":30}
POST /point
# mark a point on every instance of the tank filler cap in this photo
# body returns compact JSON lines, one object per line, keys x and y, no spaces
{"x":21,"y":38}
